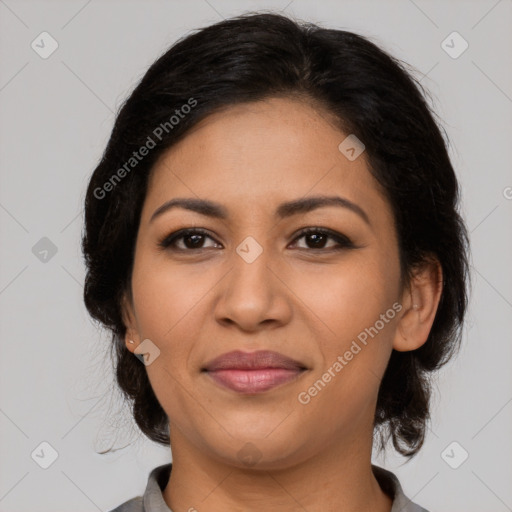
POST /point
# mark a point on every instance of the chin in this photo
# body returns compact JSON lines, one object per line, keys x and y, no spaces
{"x":277,"y":451}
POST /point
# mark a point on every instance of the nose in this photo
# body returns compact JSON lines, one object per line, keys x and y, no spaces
{"x":253,"y":295}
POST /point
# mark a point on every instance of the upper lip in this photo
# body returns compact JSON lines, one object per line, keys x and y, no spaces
{"x":239,"y":360}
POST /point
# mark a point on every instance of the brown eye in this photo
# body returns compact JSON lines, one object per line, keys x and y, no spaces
{"x":188,"y":240}
{"x":191,"y":239}
{"x":317,"y":238}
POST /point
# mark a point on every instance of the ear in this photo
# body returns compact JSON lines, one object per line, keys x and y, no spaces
{"x":420,"y":301}
{"x":131,"y":338}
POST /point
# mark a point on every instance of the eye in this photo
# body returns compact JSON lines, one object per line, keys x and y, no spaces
{"x":192,"y":239}
{"x":317,"y":238}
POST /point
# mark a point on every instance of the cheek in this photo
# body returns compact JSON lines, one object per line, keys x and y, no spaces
{"x":347,"y":301}
{"x":165,"y":294}
{"x":168,"y":301}
{"x":346,"y":298}
{"x":354,"y":341}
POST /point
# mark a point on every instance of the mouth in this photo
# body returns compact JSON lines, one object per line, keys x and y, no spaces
{"x":254,"y":381}
{"x":253,"y":372}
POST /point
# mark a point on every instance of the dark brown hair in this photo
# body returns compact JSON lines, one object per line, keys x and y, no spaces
{"x":370,"y":93}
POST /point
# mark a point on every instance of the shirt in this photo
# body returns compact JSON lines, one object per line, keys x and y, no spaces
{"x":153,"y":500}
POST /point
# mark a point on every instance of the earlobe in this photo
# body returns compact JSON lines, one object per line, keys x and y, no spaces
{"x":131,"y":337}
{"x":131,"y":342}
{"x":420,"y":302}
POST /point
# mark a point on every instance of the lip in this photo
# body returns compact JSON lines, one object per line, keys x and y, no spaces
{"x":253,"y":372}
{"x":260,"y":360}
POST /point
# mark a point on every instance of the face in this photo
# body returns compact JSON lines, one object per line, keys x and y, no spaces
{"x":253,"y":281}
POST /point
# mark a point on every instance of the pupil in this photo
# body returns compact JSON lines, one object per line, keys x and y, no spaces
{"x":196,"y":243}
{"x":317,"y":239}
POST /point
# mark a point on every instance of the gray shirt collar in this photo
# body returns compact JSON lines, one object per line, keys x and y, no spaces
{"x":153,"y":500}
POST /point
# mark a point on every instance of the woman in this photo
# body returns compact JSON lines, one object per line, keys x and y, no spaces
{"x":272,"y":237}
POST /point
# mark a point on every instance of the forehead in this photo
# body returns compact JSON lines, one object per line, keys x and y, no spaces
{"x":254,"y":155}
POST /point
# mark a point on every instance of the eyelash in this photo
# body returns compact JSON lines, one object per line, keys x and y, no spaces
{"x":343,"y":241}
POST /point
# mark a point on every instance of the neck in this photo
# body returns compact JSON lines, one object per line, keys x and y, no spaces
{"x":338,"y":478}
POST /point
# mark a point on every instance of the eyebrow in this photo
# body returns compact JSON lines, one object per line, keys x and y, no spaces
{"x":218,"y":211}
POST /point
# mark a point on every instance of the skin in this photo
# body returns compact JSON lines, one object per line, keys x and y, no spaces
{"x":295,"y":299}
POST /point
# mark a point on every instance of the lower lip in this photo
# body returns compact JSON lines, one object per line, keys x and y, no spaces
{"x":253,"y":381}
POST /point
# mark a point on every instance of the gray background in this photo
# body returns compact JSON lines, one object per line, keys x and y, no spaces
{"x":55,"y":117}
